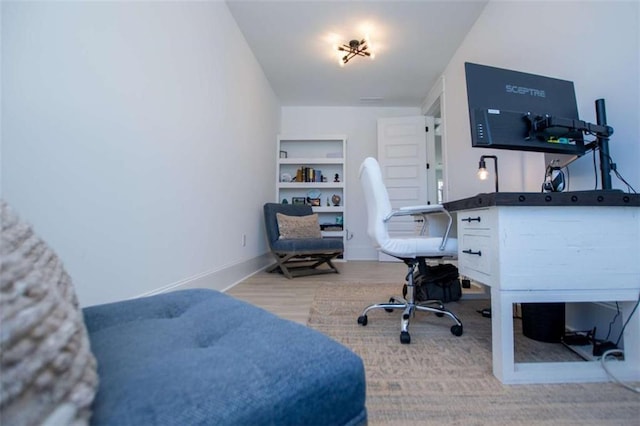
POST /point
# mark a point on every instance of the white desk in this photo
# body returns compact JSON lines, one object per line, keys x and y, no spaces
{"x":563,"y":247}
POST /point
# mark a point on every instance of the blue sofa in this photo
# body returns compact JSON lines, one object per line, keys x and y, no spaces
{"x":200,"y":357}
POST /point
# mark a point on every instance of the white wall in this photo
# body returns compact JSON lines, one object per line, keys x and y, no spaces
{"x":360,"y":126}
{"x":138,"y":138}
{"x":593,"y":44}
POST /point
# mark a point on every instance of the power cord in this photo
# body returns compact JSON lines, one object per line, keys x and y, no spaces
{"x":619,"y":352}
{"x":627,"y":321}
{"x":612,"y":167}
{"x":595,"y":169}
{"x":610,"y":374}
{"x":613,"y":321}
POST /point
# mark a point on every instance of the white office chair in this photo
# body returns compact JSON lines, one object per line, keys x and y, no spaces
{"x":412,"y":251}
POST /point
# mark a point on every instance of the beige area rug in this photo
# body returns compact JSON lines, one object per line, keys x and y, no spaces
{"x":443,"y":379}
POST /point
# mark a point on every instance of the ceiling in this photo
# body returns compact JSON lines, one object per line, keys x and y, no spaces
{"x":294,"y":42}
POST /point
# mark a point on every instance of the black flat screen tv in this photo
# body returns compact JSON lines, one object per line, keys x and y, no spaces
{"x":503,"y":104}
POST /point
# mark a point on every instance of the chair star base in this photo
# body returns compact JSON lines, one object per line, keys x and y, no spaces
{"x":409,"y":307}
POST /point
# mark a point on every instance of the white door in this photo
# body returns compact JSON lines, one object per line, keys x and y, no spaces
{"x":432,"y":161}
{"x":402,"y":154}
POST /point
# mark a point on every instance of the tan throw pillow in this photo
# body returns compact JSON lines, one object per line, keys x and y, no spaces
{"x":48,"y":371}
{"x":298,"y":227}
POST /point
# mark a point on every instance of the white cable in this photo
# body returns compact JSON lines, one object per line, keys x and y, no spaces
{"x":614,"y":378}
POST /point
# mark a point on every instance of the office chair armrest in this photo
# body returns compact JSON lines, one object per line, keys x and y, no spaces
{"x":424,"y":211}
{"x":417,"y":211}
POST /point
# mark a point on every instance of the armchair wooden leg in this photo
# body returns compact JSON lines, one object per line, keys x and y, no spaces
{"x":296,"y":264}
{"x":280,"y":264}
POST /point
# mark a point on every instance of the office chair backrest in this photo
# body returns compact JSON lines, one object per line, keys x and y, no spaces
{"x":377,"y":200}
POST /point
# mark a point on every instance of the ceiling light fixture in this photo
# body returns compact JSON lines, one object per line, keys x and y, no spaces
{"x":353,"y":49}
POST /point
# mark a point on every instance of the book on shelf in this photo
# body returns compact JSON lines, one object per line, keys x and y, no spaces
{"x":330,"y":227}
{"x":308,"y":174}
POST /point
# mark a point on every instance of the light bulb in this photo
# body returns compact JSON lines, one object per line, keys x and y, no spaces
{"x":369,"y":46}
{"x":483,"y":174}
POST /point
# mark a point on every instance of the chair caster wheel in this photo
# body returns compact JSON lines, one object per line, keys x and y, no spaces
{"x":391,"y":300}
{"x":456,"y":330}
{"x":362,"y":320}
{"x":405,"y":339}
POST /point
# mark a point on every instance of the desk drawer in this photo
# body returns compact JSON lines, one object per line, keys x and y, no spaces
{"x":476,"y":219}
{"x":474,"y":254}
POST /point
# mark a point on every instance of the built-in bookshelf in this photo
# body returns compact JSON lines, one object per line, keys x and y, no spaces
{"x":311,"y":170}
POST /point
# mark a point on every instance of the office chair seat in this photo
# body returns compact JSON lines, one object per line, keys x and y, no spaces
{"x":417,"y":247}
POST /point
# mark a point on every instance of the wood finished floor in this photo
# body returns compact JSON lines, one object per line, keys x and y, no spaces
{"x":291,"y":299}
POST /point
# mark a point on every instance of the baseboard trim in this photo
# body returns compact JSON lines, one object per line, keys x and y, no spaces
{"x":220,"y":279}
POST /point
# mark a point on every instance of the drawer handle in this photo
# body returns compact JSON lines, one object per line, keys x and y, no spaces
{"x":471,"y":219}
{"x":478,"y":253}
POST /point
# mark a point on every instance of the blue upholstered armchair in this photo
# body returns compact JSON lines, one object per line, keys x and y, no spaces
{"x":295,"y":240}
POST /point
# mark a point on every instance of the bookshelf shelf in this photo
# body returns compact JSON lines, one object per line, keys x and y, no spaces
{"x":311,"y":161}
{"x":298,"y":185}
